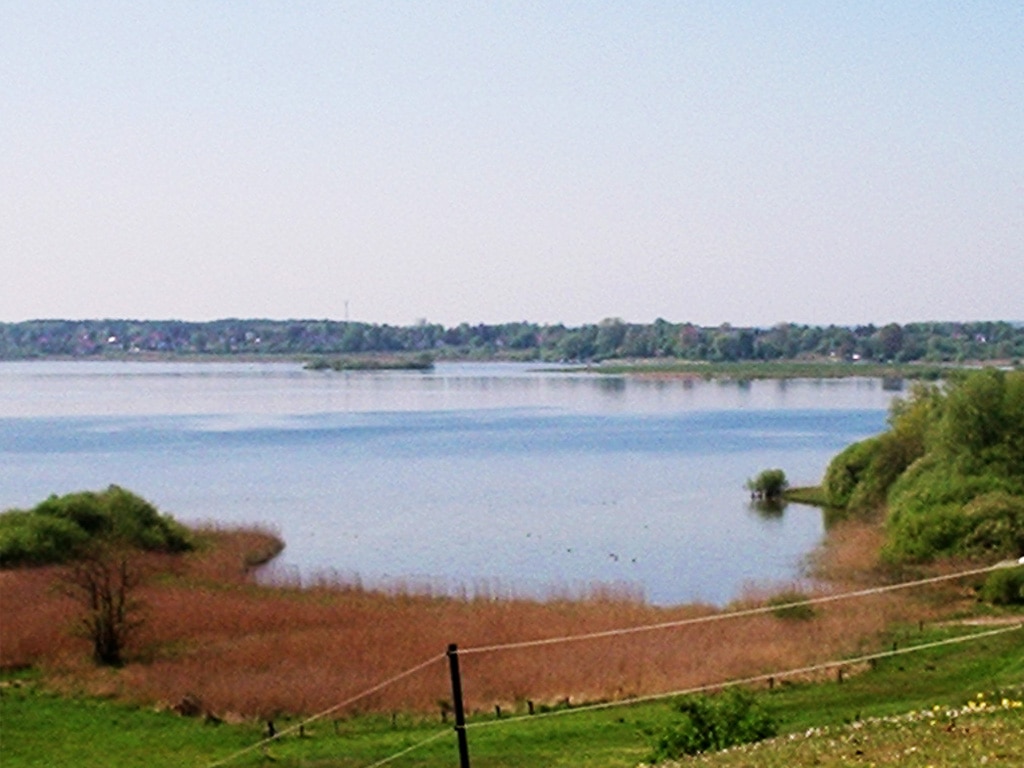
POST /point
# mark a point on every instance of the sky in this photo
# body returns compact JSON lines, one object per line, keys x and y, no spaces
{"x":389,"y":162}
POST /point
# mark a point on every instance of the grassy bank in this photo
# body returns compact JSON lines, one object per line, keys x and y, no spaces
{"x":812,"y":495}
{"x":940,"y":685}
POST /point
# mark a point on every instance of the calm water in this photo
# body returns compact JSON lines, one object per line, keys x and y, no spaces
{"x":489,"y":478}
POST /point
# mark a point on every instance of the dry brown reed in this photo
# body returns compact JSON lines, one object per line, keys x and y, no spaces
{"x":849,"y":555}
{"x":211,"y":631}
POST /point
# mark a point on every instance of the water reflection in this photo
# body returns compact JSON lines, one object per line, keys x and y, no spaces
{"x":611,"y":385}
{"x":769,"y":509}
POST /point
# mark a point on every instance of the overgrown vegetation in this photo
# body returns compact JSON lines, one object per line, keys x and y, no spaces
{"x":769,"y":484}
{"x":709,"y":723}
{"x":949,"y":472}
{"x":100,"y":537}
{"x":238,"y":645}
{"x":66,"y":528}
{"x":1004,"y":587}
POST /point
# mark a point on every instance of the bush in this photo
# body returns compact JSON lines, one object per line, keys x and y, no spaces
{"x":713,"y":723}
{"x":950,"y":467}
{"x":30,"y":539}
{"x":845,"y":470}
{"x":1004,"y":587}
{"x":996,"y":525}
{"x":769,"y":484}
{"x":936,"y":511}
{"x":62,"y":528}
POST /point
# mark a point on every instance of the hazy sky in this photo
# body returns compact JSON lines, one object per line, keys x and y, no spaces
{"x":751,"y":163}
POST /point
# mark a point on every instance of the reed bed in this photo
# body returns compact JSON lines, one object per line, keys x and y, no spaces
{"x":213,"y":633}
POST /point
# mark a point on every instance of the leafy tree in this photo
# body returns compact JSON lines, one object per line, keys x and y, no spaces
{"x":63,"y":528}
{"x":950,"y":469}
{"x":769,"y":484}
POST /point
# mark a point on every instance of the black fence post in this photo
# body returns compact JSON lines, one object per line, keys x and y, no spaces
{"x":460,"y":715}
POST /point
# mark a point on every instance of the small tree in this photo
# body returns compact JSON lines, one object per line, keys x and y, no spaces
{"x":103,"y":582}
{"x":768,"y":485}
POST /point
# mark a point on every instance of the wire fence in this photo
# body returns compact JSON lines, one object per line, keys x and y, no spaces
{"x":759,"y":610}
{"x":298,"y":727}
{"x":633,"y":630}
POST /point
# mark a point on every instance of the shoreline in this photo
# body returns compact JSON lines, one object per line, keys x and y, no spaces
{"x":683,"y":370}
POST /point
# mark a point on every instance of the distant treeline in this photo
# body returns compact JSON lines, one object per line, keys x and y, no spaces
{"x":934,"y":342}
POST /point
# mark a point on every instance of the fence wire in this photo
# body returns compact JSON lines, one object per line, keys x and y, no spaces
{"x":625,"y":631}
{"x":320,"y":715}
{"x":834,"y":664}
{"x":731,"y":614}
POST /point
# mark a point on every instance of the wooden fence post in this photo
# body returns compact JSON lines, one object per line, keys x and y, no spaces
{"x":460,"y":716}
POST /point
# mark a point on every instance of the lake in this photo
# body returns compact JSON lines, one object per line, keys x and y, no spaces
{"x":487,"y":479}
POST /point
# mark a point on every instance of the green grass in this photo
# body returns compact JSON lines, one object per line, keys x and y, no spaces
{"x":38,"y":728}
{"x":814,"y":495}
{"x":994,"y":737}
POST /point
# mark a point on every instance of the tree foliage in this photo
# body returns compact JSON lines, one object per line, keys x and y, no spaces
{"x":949,"y":471}
{"x":64,"y":528}
{"x":610,"y":338}
{"x":769,"y":484}
{"x":1004,"y":587}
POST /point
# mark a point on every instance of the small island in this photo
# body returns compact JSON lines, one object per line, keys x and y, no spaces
{"x":421,"y":362}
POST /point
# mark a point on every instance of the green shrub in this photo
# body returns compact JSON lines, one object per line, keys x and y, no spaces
{"x":769,"y":484}
{"x":31,"y":539}
{"x":921,"y":537}
{"x":1004,"y":587}
{"x":85,"y":510}
{"x":844,"y":472}
{"x":892,"y":454}
{"x":937,"y":511}
{"x":996,"y":525}
{"x":136,"y":521}
{"x":950,"y":468}
{"x":62,"y":528}
{"x":713,"y":723}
